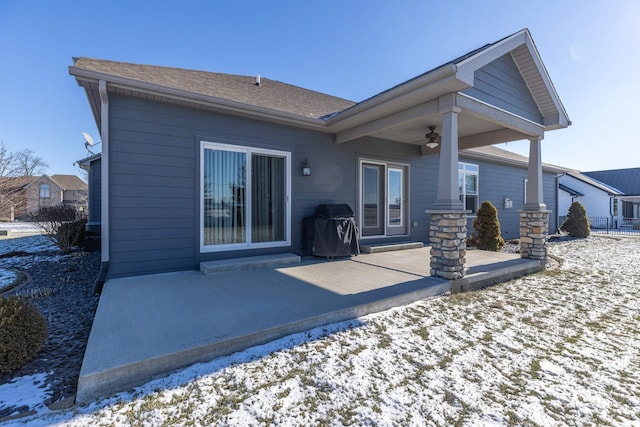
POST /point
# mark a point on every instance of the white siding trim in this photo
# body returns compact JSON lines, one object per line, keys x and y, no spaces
{"x":104,"y":169}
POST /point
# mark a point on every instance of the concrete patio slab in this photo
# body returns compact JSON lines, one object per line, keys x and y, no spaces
{"x":151,"y":325}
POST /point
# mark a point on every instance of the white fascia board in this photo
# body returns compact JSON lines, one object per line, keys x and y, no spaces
{"x":181,"y":95}
{"x":563,"y":118}
{"x":490,"y":54}
{"x":594,"y":183}
{"x":353,"y":116}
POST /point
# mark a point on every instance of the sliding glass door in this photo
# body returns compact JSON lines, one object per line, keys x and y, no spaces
{"x":245,"y":197}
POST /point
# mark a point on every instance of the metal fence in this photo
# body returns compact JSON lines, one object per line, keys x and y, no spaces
{"x":608,"y":225}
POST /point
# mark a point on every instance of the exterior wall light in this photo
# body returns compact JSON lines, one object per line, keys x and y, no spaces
{"x":306,"y":169}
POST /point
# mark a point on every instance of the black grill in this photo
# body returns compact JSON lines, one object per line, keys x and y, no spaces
{"x":333,"y":232}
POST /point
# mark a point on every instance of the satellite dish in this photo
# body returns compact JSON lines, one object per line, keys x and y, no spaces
{"x":88,"y":139}
{"x":88,"y":142}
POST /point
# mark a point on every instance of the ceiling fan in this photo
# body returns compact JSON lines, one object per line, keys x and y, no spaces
{"x":431,"y":139}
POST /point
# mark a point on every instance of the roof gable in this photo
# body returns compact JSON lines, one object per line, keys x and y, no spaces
{"x":521,"y":47}
{"x":500,"y":83}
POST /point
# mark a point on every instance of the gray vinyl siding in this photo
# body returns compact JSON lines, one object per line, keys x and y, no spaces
{"x":499,"y":181}
{"x":154,"y":181}
{"x":95,"y":191}
{"x":154,"y":187}
{"x":501,"y":84}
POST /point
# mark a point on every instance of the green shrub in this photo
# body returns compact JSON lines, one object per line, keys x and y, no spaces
{"x":23,"y":332}
{"x":486,"y":229}
{"x":576,"y":223}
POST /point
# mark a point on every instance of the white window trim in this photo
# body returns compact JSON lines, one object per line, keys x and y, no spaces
{"x":464,"y":191}
{"x":360,"y":214}
{"x":248,"y":244}
{"x":391,"y":167}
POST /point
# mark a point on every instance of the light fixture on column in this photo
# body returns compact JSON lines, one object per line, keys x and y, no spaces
{"x":431,"y":139}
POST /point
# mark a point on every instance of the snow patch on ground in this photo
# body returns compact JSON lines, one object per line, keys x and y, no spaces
{"x":30,"y":391}
{"x":555,"y":348}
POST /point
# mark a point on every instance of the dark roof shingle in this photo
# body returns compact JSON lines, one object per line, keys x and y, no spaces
{"x":270,"y":94}
{"x":625,"y":180}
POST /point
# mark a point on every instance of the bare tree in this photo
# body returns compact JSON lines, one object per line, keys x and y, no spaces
{"x":7,"y":161}
{"x":28,"y":164}
{"x":16,"y":170}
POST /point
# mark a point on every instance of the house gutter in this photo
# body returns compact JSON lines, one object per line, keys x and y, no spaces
{"x":264,"y":113}
{"x":104,"y":170}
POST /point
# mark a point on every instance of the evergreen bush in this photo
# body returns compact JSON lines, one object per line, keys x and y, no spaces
{"x":576,"y":223}
{"x":23,"y":332}
{"x":486,"y":229}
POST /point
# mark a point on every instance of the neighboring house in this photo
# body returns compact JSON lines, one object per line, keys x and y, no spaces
{"x":54,"y":190}
{"x":25,"y":195}
{"x":199,"y":166}
{"x":627,"y":183}
{"x":599,"y":200}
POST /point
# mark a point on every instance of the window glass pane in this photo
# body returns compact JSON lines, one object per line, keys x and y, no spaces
{"x":472,"y":168}
{"x":471,"y":184}
{"x":371,"y":193}
{"x":394,"y":198}
{"x":471,"y":203}
{"x":45,"y":191}
{"x":268,"y":198}
{"x":460,"y":181}
{"x":224,"y":197}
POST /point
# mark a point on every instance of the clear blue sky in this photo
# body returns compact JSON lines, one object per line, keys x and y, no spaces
{"x":352,"y":49}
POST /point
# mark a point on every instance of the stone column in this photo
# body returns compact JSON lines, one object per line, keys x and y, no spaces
{"x":447,"y":237}
{"x":533,"y":234}
{"x":534,"y":218}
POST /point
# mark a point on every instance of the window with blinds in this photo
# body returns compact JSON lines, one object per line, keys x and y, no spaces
{"x":245,"y":197}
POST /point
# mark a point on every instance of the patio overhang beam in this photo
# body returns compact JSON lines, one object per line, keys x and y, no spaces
{"x":500,"y":117}
{"x":392,"y":120}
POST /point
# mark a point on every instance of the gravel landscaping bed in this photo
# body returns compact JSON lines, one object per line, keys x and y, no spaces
{"x":61,"y":288}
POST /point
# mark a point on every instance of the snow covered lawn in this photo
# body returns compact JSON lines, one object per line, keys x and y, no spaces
{"x":556,"y":348}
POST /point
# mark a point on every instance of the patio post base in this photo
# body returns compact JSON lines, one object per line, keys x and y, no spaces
{"x":447,"y":237}
{"x":534,"y":225}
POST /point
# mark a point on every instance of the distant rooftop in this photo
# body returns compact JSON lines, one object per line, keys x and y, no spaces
{"x":625,"y":180}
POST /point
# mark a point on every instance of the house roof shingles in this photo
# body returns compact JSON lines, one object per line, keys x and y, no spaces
{"x":625,"y":180}
{"x":270,"y":94}
{"x":69,"y":182}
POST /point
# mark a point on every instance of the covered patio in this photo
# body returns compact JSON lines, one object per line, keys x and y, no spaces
{"x":151,"y":325}
{"x":498,"y":93}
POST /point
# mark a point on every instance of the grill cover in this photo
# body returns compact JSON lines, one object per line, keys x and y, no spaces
{"x":334,"y":211}
{"x":333,"y":232}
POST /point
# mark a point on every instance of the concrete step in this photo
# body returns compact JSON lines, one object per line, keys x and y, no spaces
{"x":249,"y":263}
{"x":388,"y":247}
